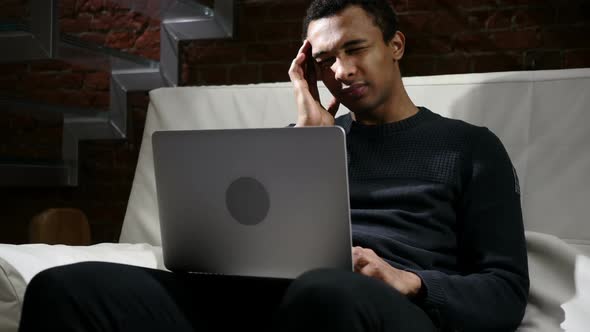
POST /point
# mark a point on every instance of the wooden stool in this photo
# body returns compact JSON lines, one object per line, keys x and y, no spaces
{"x":60,"y":226}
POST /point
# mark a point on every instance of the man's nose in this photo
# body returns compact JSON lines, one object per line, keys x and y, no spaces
{"x":344,"y":69}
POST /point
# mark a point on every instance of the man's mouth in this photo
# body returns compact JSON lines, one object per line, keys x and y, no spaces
{"x":355,"y":90}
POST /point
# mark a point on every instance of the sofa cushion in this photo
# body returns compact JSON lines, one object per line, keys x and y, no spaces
{"x":577,"y":310}
{"x":551,"y":269}
{"x":551,"y":263}
{"x":540,"y":116}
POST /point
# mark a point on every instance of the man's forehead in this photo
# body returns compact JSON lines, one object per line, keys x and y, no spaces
{"x":333,"y":32}
{"x":325,"y":40}
{"x":330,"y":25}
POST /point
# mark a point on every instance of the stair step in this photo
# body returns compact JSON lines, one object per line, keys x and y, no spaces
{"x":79,"y":60}
{"x":34,"y":173}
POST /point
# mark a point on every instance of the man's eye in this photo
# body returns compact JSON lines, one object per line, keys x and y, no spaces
{"x":355,"y":50}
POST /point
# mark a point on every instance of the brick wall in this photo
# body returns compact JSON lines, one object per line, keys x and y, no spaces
{"x":77,"y":81}
{"x":106,"y":167}
{"x":114,"y":25}
{"x":14,"y":9}
{"x":443,"y":36}
{"x":106,"y":171}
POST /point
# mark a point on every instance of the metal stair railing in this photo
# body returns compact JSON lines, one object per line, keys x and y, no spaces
{"x":181,"y":20}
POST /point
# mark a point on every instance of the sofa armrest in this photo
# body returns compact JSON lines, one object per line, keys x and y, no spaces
{"x":20,"y":263}
{"x":12,"y":289}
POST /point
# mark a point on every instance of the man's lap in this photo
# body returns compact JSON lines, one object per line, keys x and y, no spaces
{"x":104,"y":291}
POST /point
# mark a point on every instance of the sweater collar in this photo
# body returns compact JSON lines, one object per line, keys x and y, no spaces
{"x":423,"y":115}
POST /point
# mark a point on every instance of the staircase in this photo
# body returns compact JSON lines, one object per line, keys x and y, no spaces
{"x":47,"y":38}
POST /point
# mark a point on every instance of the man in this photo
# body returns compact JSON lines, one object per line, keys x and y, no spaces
{"x":437,"y":225}
{"x":436,"y":200}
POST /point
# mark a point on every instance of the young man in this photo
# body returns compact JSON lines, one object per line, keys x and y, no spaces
{"x":437,"y":226}
{"x":435,"y":202}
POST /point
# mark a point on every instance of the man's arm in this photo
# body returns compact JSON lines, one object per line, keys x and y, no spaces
{"x":492,"y":291}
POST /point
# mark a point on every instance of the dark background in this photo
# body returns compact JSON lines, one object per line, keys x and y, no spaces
{"x":443,"y":37}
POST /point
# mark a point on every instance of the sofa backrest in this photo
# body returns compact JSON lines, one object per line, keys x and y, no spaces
{"x":542,"y":117}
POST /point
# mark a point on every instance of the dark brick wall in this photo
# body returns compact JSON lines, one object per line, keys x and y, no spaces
{"x":443,"y":37}
{"x":106,"y":167}
{"x":108,"y":23}
{"x":14,"y":9}
{"x":106,"y":171}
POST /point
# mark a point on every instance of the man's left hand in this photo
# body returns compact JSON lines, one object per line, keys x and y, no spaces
{"x":368,"y":263}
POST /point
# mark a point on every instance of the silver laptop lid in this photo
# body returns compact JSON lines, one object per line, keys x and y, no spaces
{"x":253,"y":202}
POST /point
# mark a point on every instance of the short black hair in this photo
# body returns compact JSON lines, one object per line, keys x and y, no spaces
{"x":382,"y":12}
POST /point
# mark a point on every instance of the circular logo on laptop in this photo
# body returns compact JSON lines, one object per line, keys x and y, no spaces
{"x":247,"y":201}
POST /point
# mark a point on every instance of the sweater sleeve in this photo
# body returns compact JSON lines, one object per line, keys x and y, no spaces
{"x":491,"y":292}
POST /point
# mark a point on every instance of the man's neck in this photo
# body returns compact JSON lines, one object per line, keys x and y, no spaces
{"x":399,"y":108}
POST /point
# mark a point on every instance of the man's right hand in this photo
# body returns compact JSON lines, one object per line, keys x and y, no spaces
{"x":304,"y":79}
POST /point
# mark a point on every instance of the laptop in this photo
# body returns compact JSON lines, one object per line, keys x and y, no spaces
{"x":267,"y":202}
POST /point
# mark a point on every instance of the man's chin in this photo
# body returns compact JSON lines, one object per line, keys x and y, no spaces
{"x":358,"y":110}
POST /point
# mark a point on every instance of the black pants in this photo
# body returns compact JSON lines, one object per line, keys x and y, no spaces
{"x":97,"y":296}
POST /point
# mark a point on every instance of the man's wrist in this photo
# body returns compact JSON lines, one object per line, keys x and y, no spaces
{"x":301,"y":122}
{"x":415,"y":287}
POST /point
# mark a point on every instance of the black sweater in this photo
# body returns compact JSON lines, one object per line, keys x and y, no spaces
{"x":439,"y":197}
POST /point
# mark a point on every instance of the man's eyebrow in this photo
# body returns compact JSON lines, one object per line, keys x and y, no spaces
{"x":353,"y":42}
{"x":349,"y":43}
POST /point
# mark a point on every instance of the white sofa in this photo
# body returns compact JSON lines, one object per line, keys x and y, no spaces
{"x":542,"y":117}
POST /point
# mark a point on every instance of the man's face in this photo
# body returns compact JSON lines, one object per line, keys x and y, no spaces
{"x":353,"y":61}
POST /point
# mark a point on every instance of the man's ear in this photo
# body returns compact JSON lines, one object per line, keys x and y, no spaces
{"x":398,"y":45}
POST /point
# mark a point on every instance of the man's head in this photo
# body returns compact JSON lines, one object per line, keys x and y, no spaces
{"x":381,"y":11}
{"x":355,"y":48}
